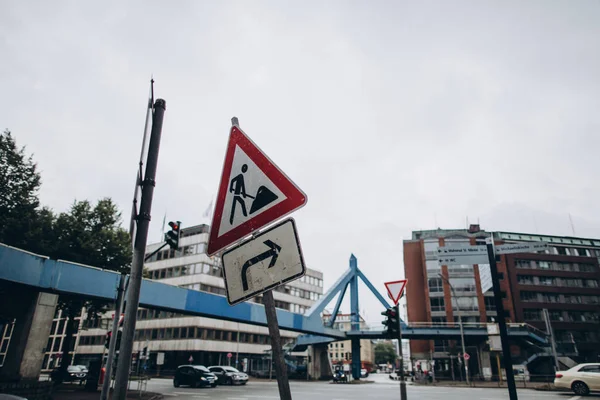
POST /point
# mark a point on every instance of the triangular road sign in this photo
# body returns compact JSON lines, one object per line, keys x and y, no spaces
{"x":253,"y":193}
{"x":395,"y":290}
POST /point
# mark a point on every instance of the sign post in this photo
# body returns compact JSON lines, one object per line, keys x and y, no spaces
{"x":253,"y":193}
{"x":510,"y":376}
{"x":395,"y":290}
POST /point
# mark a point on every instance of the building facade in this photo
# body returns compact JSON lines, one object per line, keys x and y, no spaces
{"x":563,"y":279}
{"x":182,"y":338}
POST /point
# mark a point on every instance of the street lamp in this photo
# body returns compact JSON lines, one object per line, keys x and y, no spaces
{"x":460,"y":324}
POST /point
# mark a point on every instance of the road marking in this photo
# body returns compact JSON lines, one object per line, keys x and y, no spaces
{"x":237,"y":398}
{"x":575,"y":398}
{"x":263,"y":397}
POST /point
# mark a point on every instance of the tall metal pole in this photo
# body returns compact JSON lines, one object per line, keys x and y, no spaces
{"x":280,"y":368}
{"x":508,"y":366}
{"x":141,"y":237}
{"x":401,"y":355}
{"x":460,"y":324}
{"x":112,"y":347}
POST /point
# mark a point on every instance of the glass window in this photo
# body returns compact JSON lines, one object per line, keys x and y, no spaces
{"x":437,"y":304}
{"x":435,"y":285}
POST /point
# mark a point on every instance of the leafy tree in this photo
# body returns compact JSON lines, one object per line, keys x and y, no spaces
{"x":92,"y":236}
{"x":22,"y":224}
{"x":385,"y":352}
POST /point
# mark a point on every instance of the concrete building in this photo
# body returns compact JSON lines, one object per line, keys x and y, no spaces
{"x":204,"y":340}
{"x":564,"y":279}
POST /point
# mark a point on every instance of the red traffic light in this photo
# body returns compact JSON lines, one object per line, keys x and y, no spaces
{"x":174,"y":225}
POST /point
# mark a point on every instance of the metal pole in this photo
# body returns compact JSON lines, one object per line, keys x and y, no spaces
{"x":112,"y":347}
{"x":460,"y":324}
{"x":141,"y":237}
{"x":400,"y":355}
{"x":552,"y":339}
{"x":508,"y":366}
{"x":280,"y":369}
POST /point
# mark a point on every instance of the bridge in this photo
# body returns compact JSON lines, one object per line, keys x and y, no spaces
{"x":21,"y":269}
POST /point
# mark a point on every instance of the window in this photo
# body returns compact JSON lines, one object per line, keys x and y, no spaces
{"x":591,"y":283}
{"x":435,"y":285}
{"x":529,"y":296}
{"x":463,"y":284}
{"x":490,"y":304}
{"x":524,"y":280}
{"x":590,"y":368}
{"x":437,"y":304}
{"x":532,"y":315}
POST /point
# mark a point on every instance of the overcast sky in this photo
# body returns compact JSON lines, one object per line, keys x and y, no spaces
{"x":392,"y":116}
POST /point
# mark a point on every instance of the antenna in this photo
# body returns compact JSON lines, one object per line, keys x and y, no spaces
{"x":572,"y":226}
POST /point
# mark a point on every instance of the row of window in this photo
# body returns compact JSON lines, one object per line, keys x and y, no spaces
{"x":346,"y":356}
{"x":190,"y":332}
{"x":206,"y":288}
{"x":562,"y":316}
{"x":311,"y":280}
{"x":559,"y":298}
{"x":576,"y":336}
{"x":184,"y":270}
{"x":198,"y":248}
{"x":556,"y":281}
{"x":555,"y":266}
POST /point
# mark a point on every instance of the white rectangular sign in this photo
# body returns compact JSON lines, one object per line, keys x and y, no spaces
{"x":485,"y":277}
{"x":463,"y":259}
{"x":160,"y":358}
{"x":462,"y":251}
{"x":520,"y":248}
{"x":270,"y":259}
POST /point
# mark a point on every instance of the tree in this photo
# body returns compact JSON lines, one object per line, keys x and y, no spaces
{"x":92,"y":236}
{"x":385,"y":352}
{"x":21,"y":221}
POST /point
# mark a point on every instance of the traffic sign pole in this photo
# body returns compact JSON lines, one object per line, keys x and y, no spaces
{"x":401,"y":356}
{"x":508,"y":366}
{"x":276,"y":347}
{"x":280,"y":368}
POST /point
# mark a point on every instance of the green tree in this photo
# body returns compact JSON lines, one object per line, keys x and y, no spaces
{"x":22,"y":223}
{"x":90,"y":235}
{"x":385,"y":352}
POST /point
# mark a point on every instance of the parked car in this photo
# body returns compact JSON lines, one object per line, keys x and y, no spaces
{"x":73,"y":374}
{"x":194,"y":376}
{"x":229,"y":375}
{"x":11,"y":397}
{"x":581,"y":379}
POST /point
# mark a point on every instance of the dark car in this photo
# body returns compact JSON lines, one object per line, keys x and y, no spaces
{"x":229,"y":375}
{"x":73,"y":374}
{"x":194,"y":376}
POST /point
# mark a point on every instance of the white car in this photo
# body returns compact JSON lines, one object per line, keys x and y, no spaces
{"x":581,"y":379}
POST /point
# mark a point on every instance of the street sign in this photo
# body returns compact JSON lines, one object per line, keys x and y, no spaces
{"x":160,"y":358}
{"x":457,"y":255}
{"x":253,"y":193}
{"x":269,"y":259}
{"x":485,"y":277}
{"x":466,"y":356}
{"x":463,"y":259}
{"x":462,"y":251}
{"x":229,"y":355}
{"x":520,"y":248}
{"x":395,"y":289}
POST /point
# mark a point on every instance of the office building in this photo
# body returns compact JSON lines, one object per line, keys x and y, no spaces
{"x":563,"y":279}
{"x":340,"y":352}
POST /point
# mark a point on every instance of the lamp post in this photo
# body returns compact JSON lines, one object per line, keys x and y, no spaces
{"x":460,"y":324}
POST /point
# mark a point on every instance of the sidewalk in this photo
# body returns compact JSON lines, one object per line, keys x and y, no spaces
{"x":77,"y":393}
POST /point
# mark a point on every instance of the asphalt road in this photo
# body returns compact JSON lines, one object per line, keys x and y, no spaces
{"x":381,"y":389}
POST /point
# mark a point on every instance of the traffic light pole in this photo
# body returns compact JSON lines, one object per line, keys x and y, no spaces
{"x":508,"y":366}
{"x":401,"y":356}
{"x":139,"y":250}
{"x":112,"y":347}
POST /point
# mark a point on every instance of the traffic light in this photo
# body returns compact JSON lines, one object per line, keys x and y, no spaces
{"x":107,"y":339}
{"x":391,"y":322}
{"x":172,"y":237}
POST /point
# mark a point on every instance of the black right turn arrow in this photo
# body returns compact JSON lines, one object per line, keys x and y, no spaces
{"x":272,"y":252}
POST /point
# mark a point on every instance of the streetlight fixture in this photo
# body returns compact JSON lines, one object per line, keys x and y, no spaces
{"x":460,"y":324}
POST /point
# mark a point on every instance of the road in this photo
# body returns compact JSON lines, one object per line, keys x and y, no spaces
{"x":381,"y":389}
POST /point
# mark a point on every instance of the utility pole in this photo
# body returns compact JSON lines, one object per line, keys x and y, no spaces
{"x":460,"y":324}
{"x":508,"y":366}
{"x":401,"y":356}
{"x":141,"y":237}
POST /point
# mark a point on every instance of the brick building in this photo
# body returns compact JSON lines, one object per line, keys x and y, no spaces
{"x":563,"y":279}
